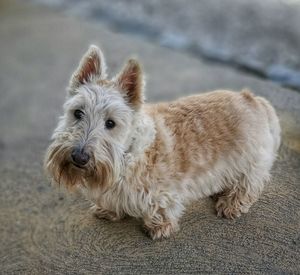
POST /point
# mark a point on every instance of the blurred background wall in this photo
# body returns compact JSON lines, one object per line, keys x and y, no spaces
{"x":261,"y":37}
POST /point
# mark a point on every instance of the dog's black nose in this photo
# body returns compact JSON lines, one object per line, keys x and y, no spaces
{"x":80,"y":157}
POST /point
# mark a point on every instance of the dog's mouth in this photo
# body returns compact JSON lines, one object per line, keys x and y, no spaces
{"x":78,"y":165}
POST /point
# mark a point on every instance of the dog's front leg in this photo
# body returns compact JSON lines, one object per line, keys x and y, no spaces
{"x":160,"y":226}
{"x":102,"y":213}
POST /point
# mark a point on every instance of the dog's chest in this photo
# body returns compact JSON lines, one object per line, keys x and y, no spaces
{"x":120,"y":198}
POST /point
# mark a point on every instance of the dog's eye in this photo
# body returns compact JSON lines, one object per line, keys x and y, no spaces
{"x":109,"y":124}
{"x":78,"y":114}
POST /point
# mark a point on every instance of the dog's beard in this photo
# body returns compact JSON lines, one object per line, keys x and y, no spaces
{"x":107,"y":170}
{"x":95,"y":174}
{"x":60,"y":167}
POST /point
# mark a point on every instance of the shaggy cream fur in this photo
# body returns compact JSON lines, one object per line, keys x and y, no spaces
{"x":156,"y":159}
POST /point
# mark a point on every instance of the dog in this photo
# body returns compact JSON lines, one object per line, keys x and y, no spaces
{"x":150,"y":161}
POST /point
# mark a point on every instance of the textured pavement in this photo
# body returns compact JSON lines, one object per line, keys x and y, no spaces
{"x":43,"y":230}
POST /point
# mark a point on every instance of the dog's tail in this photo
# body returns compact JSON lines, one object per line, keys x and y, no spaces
{"x":274,"y":124}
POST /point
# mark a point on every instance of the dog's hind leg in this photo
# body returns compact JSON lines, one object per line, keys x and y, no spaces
{"x":238,"y":198}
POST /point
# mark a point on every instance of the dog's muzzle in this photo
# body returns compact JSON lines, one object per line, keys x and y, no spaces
{"x":80,"y":157}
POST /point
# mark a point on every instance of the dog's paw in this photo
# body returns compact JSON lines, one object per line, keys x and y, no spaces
{"x":233,"y":206}
{"x":227,"y":209}
{"x":161,"y":231}
{"x":101,"y":213}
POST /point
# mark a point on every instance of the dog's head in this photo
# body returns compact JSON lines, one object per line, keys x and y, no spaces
{"x":95,"y":130}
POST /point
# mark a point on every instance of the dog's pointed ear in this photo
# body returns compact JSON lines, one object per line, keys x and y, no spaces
{"x":92,"y":66}
{"x":130,"y":81}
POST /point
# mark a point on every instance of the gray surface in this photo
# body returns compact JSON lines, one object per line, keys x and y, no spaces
{"x":263,"y":36}
{"x":43,"y":230}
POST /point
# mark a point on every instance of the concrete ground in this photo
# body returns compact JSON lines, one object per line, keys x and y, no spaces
{"x":43,"y":230}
